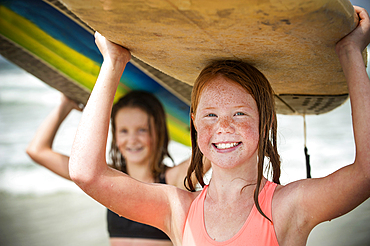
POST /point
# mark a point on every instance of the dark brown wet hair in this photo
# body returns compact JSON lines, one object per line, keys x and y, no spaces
{"x":256,"y":84}
{"x":153,"y":107}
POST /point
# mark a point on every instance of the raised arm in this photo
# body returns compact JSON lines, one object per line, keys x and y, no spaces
{"x":147,"y":203}
{"x":40,"y":148}
{"x":350,"y":186}
{"x":88,"y":151}
{"x":313,"y":201}
{"x":349,"y":51}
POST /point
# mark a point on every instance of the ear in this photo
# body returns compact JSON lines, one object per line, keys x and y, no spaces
{"x":193,"y":119}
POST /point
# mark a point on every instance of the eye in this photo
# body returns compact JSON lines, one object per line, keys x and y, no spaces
{"x":211,"y":115}
{"x":143,"y":130}
{"x":123,"y":131}
{"x":239,"y":113}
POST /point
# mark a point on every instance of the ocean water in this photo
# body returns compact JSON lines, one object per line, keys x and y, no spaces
{"x":25,"y":102}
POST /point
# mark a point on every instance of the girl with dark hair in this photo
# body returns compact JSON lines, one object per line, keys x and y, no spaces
{"x":233,"y":124}
{"x":139,"y":145}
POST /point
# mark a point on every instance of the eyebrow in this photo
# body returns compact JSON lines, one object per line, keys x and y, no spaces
{"x":236,"y":107}
{"x":208,"y":108}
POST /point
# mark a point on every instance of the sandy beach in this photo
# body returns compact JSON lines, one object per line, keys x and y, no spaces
{"x":60,"y":219}
{"x":352,"y":229}
{"x":70,"y":218}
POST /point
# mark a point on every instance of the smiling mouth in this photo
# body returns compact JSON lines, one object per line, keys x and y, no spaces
{"x":226,"y":145}
{"x":134,"y":149}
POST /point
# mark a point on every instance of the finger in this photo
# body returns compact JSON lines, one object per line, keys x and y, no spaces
{"x":361,"y":12}
{"x":357,"y":8}
{"x":97,"y":34}
{"x":363,"y":15}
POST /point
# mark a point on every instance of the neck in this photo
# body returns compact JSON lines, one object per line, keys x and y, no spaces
{"x":230,"y":184}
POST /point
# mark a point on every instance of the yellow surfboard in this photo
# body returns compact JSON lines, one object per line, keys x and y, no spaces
{"x":291,"y":41}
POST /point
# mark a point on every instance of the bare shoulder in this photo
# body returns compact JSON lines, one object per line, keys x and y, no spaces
{"x":180,"y":201}
{"x":288,"y":217}
{"x":175,"y":193}
{"x":290,"y":190}
{"x":175,"y":175}
{"x":280,"y":206}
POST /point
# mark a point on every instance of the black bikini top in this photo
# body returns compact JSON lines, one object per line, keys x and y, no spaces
{"x":122,"y":227}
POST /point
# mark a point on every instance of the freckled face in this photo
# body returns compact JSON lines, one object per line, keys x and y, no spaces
{"x":227,"y":123}
{"x":133,"y":137}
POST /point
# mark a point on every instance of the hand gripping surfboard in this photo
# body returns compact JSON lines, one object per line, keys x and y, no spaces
{"x":291,"y":41}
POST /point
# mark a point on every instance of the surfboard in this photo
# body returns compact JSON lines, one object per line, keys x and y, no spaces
{"x":50,"y":42}
{"x":291,"y":41}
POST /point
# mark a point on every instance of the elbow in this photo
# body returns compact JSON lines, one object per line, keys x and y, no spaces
{"x":363,"y":169}
{"x":82,"y":175}
{"x":30,"y":151}
{"x":362,"y":160}
{"x":85,"y":166}
{"x":367,"y":173}
{"x":39,"y":154}
{"x":76,"y":172}
{"x":33,"y":152}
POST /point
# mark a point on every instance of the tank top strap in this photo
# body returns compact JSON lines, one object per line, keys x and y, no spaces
{"x":265,"y":198}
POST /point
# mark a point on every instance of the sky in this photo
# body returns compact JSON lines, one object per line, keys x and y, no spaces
{"x":362,"y":3}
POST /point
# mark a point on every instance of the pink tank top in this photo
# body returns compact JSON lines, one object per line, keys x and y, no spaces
{"x":256,"y":231}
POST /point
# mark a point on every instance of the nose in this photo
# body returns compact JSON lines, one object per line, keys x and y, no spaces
{"x":225,"y":125}
{"x":132,"y":137}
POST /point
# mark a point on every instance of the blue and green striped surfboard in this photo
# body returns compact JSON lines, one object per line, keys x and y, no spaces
{"x":55,"y":46}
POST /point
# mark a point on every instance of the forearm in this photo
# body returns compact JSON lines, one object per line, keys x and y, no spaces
{"x":88,"y":151}
{"x":45,"y":134}
{"x":40,"y":148}
{"x":359,"y":90}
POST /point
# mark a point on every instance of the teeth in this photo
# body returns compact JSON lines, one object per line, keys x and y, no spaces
{"x":134,"y":149}
{"x":226,"y":145}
